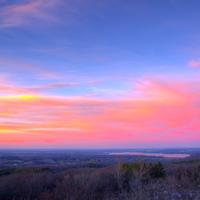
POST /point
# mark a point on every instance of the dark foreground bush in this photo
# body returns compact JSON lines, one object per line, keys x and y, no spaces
{"x":135,"y":181}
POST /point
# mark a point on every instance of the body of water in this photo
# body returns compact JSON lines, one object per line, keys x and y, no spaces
{"x":163,"y":155}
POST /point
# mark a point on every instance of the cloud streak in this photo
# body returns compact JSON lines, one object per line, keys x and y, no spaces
{"x":10,"y":89}
{"x":11,"y":65}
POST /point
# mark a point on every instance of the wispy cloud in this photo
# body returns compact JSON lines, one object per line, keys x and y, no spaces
{"x":8,"y":87}
{"x":40,"y":12}
{"x":12,"y":65}
{"x":12,"y":89}
{"x":23,"y":13}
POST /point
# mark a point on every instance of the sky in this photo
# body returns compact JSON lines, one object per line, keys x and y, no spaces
{"x":99,"y":73}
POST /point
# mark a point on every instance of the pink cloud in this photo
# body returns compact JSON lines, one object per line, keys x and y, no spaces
{"x":167,"y":112}
{"x":194,"y":63}
{"x":8,"y":87}
{"x":37,"y":12}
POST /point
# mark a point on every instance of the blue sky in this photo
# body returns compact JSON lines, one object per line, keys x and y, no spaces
{"x":103,"y":37}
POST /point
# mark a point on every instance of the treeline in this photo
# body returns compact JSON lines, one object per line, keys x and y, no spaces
{"x":129,"y":181}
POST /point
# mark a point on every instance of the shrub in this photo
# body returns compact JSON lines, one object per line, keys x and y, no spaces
{"x":157,"y":171}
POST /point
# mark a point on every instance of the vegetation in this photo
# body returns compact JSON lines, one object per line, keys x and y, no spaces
{"x":129,"y":181}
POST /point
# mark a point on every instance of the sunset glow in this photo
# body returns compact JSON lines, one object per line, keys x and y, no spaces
{"x":71,"y":76}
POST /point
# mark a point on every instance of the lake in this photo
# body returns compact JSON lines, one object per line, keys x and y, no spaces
{"x":163,"y":155}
